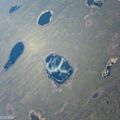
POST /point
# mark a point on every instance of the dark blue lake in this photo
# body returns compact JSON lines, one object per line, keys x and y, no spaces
{"x":90,"y":2}
{"x":97,"y":3}
{"x":15,"y":53}
{"x":14,"y":8}
{"x":45,"y":18}
{"x":58,"y":68}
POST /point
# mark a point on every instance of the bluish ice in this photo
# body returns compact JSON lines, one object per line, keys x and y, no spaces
{"x":45,"y":18}
{"x":15,"y":53}
{"x":58,"y":68}
{"x":14,"y":8}
{"x":97,"y":3}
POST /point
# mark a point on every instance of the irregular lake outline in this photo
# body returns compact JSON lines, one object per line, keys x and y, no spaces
{"x":57,"y":81}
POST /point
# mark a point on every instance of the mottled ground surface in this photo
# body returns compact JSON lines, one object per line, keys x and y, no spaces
{"x":88,"y":46}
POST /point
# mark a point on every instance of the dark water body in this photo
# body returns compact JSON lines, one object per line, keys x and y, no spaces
{"x":90,"y":2}
{"x":15,"y":53}
{"x":107,"y":71}
{"x":58,"y":68}
{"x":98,"y":3}
{"x":45,"y":18}
{"x":14,"y":9}
{"x":34,"y":117}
